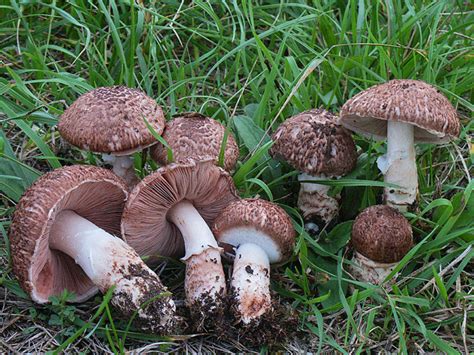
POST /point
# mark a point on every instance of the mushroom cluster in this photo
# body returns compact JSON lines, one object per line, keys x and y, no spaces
{"x":85,"y":228}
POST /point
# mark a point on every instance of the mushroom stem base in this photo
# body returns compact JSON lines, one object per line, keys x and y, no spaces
{"x":367,"y":270}
{"x":108,"y":261}
{"x":205,"y":280}
{"x":251,"y":282}
{"x":314,"y":201}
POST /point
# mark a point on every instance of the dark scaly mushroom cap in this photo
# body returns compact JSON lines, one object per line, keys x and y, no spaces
{"x":314,"y":143}
{"x":382,"y":234}
{"x":144,"y":222}
{"x":94,"y":193}
{"x":410,"y":101}
{"x":192,"y":135}
{"x":230,"y":227}
{"x":111,"y":120}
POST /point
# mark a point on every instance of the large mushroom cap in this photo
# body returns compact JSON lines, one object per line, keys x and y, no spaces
{"x":410,"y":101}
{"x":192,"y":135}
{"x":144,"y":222}
{"x":382,"y":234}
{"x":111,"y":120}
{"x":313,"y":142}
{"x":258,"y":222}
{"x":95,"y":194}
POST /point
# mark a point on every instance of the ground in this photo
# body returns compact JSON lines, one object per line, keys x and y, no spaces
{"x":251,"y":65}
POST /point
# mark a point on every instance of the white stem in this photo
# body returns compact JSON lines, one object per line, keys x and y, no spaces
{"x":251,"y":282}
{"x":108,"y":261}
{"x":399,"y":165}
{"x":122,"y":166}
{"x":312,"y":186}
{"x":313,"y":199}
{"x":367,"y":270}
{"x":205,"y":280}
{"x":196,"y":233}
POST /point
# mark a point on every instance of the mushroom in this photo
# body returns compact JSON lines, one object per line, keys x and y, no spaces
{"x":261,"y":233}
{"x":110,"y":120}
{"x":405,"y":112}
{"x":192,"y":135}
{"x":62,"y":237}
{"x":381,"y":237}
{"x":171,"y":209}
{"x":315,"y":144}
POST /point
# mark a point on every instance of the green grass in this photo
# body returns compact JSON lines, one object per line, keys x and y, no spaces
{"x":251,"y":65}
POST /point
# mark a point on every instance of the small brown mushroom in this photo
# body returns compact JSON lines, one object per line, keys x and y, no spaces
{"x":381,"y":237}
{"x":192,"y":135}
{"x":404,"y":112}
{"x":110,"y":120}
{"x":262,"y":233}
{"x":62,"y":237}
{"x":315,"y":144}
{"x":170,"y":211}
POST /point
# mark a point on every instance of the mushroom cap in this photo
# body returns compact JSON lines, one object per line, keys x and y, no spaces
{"x":314,"y":142}
{"x":144,"y":221}
{"x":111,"y":120}
{"x":258,"y":222}
{"x":410,"y":101}
{"x":382,"y":234}
{"x":94,"y":193}
{"x":192,"y":135}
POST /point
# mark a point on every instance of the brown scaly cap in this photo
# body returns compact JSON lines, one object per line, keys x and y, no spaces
{"x":262,"y":215}
{"x":144,"y":222}
{"x":192,"y":135}
{"x":111,"y":120}
{"x":94,"y":193}
{"x":313,"y":142}
{"x":410,"y":101}
{"x":382,"y":234}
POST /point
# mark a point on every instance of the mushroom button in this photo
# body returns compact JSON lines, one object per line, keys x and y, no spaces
{"x":315,"y":144}
{"x":62,"y":237}
{"x":192,"y":135}
{"x":172,"y":207}
{"x":110,"y":120}
{"x":381,"y":237}
{"x":262,"y":233}
{"x":405,"y":112}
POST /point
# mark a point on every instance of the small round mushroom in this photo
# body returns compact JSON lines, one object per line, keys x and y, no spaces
{"x":404,"y":112}
{"x":381,"y":237}
{"x":169,"y":211}
{"x":192,"y":135}
{"x":110,"y":120}
{"x":262,"y":233}
{"x":315,"y":144}
{"x":62,"y":237}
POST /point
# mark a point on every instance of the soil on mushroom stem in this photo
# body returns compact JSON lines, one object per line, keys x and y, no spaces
{"x":153,"y":305}
{"x":274,"y":328}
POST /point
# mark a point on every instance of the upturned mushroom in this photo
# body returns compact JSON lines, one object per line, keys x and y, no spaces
{"x":110,"y":120}
{"x":405,"y":112}
{"x":195,"y":136}
{"x":315,"y":144}
{"x":62,"y":237}
{"x":261,"y":233}
{"x":170,"y":210}
{"x":381,"y":237}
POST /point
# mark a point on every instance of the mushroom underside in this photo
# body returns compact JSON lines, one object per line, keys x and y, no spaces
{"x":52,"y":271}
{"x":376,"y":128}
